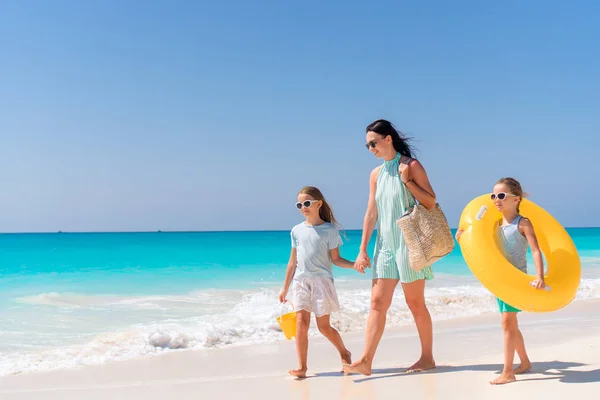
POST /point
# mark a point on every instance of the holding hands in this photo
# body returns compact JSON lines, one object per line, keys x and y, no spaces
{"x":362,"y":262}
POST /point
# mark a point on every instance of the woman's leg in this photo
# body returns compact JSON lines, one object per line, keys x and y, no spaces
{"x":414,"y":293}
{"x":382,"y":292}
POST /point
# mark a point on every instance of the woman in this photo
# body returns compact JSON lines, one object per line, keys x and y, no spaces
{"x":394,"y":185}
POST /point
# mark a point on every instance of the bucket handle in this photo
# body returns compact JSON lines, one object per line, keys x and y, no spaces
{"x":281,"y":309}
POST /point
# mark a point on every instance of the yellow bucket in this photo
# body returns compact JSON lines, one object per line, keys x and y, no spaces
{"x":287,"y":322}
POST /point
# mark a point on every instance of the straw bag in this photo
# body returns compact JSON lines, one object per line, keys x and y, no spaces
{"x":426,"y":234}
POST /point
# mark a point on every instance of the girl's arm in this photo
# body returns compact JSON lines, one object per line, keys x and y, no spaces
{"x":368,"y":224}
{"x":289,"y":274}
{"x":526,"y":228}
{"x":416,"y":180}
{"x":338,"y":260}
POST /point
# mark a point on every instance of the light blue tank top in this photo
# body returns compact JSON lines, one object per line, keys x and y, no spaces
{"x":515,"y":244}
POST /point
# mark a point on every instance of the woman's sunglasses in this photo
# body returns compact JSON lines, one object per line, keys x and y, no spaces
{"x":501,"y":196}
{"x":305,"y":203}
{"x":371,"y":144}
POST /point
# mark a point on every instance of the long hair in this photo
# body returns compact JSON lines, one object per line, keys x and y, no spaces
{"x":400,"y":141}
{"x":515,"y":188}
{"x":325,"y":212}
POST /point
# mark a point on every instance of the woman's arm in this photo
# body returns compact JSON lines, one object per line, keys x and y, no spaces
{"x":369,"y":223}
{"x":416,"y":180}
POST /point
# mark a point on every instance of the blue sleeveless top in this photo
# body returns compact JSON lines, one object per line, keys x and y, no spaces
{"x":514,"y":244}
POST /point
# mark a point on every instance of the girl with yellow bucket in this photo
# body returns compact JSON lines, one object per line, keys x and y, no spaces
{"x":515,"y":234}
{"x":315,"y":247}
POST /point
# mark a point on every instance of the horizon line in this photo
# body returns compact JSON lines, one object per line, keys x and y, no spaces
{"x":208,"y":231}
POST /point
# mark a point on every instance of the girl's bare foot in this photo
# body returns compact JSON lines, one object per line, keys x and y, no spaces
{"x":298,"y":373}
{"x":422,"y":365}
{"x":360,"y":367}
{"x":524,"y":367}
{"x":504,"y":378}
{"x":346,"y":358}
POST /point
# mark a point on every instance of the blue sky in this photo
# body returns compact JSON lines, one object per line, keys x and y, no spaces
{"x":181,"y":115}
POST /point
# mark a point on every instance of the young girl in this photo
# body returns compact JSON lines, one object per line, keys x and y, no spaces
{"x":315,"y":246}
{"x":516,"y":233}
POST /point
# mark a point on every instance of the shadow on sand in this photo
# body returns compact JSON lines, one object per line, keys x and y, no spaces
{"x":549,"y":369}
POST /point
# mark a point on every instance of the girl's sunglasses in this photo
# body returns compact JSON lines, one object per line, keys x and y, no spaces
{"x":371,"y":144}
{"x":305,"y":203}
{"x":500,"y":196}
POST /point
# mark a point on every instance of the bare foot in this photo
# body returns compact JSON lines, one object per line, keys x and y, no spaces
{"x":504,"y":378}
{"x":524,"y":367}
{"x":422,"y":365}
{"x":346,"y":359}
{"x":360,"y":367}
{"x":298,"y":373}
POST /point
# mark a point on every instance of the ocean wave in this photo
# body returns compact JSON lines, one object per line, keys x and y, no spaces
{"x":590,"y":261}
{"x":250,"y":319}
{"x":206,"y":298}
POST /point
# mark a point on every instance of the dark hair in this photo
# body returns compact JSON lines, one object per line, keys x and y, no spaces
{"x":515,"y":188}
{"x":385,"y":128}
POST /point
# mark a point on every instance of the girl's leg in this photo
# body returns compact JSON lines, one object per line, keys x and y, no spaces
{"x":414,"y":293}
{"x":525,"y":363}
{"x":510,"y":329}
{"x":302,"y":324}
{"x":382,"y":292}
{"x":334,"y":337}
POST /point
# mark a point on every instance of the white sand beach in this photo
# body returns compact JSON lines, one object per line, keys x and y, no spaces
{"x":564,"y":347}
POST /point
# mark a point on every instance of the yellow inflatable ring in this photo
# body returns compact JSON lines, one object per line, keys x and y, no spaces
{"x":478,"y":244}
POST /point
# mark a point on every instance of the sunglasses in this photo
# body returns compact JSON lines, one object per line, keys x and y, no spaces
{"x":371,"y":144}
{"x":501,"y":196}
{"x":305,"y":203}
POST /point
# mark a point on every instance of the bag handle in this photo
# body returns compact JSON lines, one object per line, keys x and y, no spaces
{"x":407,"y":162}
{"x":281,"y":309}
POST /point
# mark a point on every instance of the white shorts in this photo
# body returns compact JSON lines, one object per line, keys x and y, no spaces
{"x":316,"y":295}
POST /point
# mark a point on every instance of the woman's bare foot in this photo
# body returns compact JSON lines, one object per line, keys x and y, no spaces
{"x":524,"y":367}
{"x":298,"y":373}
{"x":504,"y":378}
{"x":422,"y":365}
{"x":346,"y":358}
{"x":360,"y":367}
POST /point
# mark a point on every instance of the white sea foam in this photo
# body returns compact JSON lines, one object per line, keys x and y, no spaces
{"x":69,"y":330}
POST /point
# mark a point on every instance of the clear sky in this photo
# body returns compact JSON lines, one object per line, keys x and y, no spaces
{"x":191,"y":115}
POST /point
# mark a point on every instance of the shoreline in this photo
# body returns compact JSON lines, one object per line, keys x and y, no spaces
{"x":564,"y":347}
{"x":146,"y":342}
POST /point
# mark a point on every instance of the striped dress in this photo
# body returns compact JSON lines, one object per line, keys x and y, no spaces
{"x":391,"y":255}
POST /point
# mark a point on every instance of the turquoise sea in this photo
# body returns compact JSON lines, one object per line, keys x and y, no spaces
{"x":72,"y":299}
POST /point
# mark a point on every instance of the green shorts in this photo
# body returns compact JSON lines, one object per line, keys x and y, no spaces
{"x":505,"y":307}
